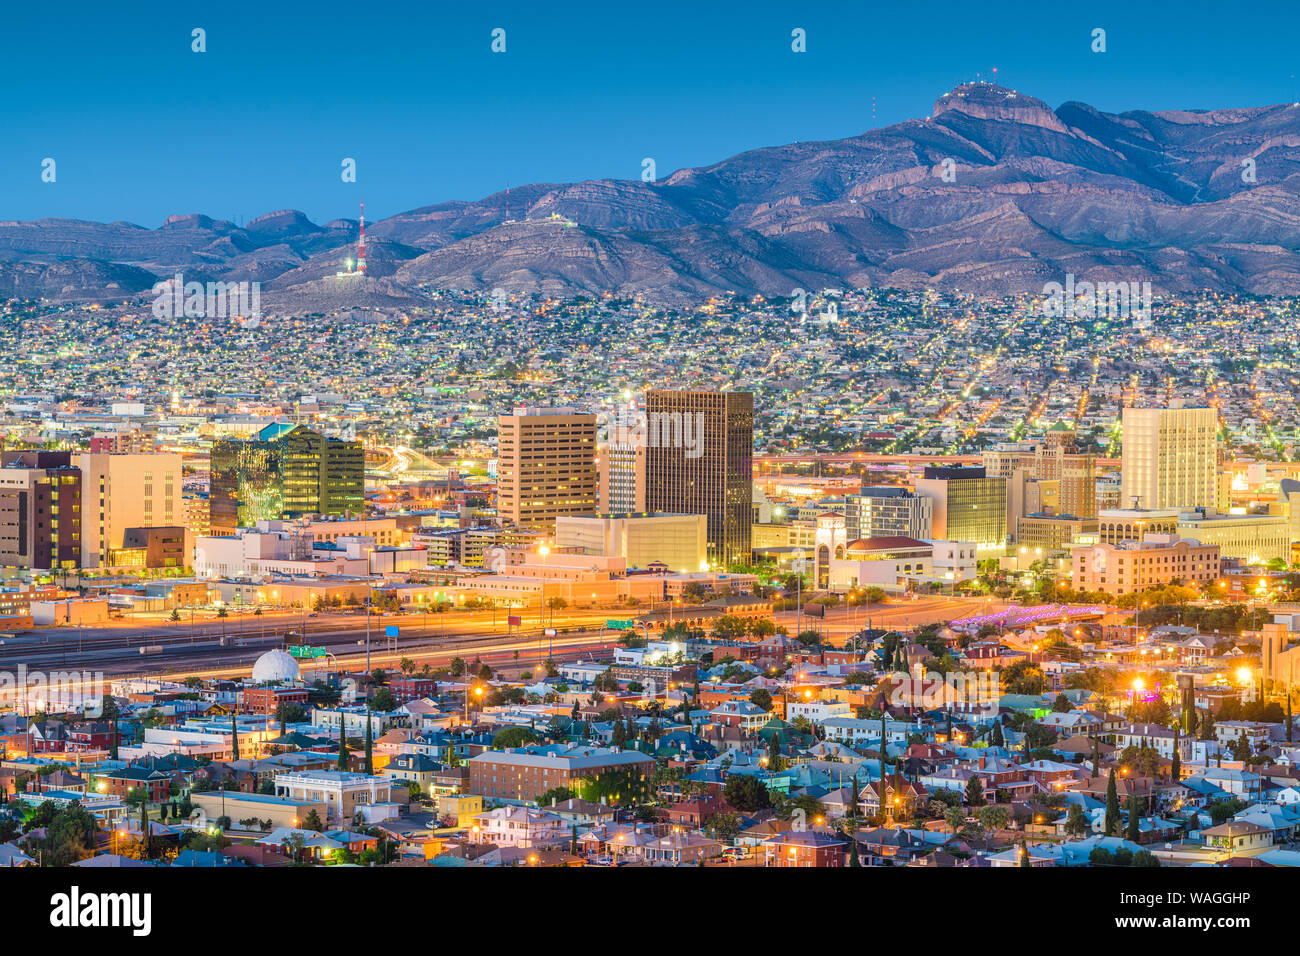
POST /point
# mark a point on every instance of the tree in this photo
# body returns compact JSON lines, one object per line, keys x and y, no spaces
{"x":69,"y":833}
{"x":761,"y":697}
{"x":1112,"y":806}
{"x":853,"y":852}
{"x":511,"y":737}
{"x":994,"y":817}
{"x":954,"y":818}
{"x":234,"y":737}
{"x":370,"y":745}
{"x":746,"y":792}
{"x":343,"y":742}
{"x":975,"y":792}
{"x":1023,"y":677}
{"x":313,"y":821}
{"x":1076,"y":824}
{"x":996,"y":739}
{"x":1133,"y":831}
{"x":383,"y":700}
{"x":774,"y":751}
{"x":1143,"y":758}
{"x":1176,"y":764}
{"x":1062,"y":704}
{"x":146,"y":833}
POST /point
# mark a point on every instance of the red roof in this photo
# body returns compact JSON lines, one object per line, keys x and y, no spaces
{"x":888,"y":543}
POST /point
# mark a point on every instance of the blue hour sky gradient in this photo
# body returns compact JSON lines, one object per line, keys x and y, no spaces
{"x":141,"y":127}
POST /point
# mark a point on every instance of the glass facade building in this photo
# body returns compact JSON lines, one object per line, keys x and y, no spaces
{"x":288,"y":470}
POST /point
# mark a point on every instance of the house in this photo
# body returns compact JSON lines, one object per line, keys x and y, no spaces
{"x":893,"y":797}
{"x":120,"y":783}
{"x":741,"y":714}
{"x":1254,"y":732}
{"x":1052,"y":775}
{"x":804,"y":848}
{"x":413,"y":768}
{"x":1237,"y":836}
{"x":577,"y":812}
{"x":527,"y":773}
{"x":694,"y":813}
{"x":1145,"y":735}
{"x":519,"y":826}
{"x":682,"y":846}
{"x":886,"y":846}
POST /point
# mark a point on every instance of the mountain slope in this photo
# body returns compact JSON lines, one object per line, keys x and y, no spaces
{"x":994,"y":193}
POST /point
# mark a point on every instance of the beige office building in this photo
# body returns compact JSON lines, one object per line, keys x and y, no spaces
{"x":546,"y":466}
{"x":1054,"y":458}
{"x":126,"y":491}
{"x":1159,"y":559}
{"x":678,"y":541}
{"x":1170,"y":458}
{"x":1255,"y":539}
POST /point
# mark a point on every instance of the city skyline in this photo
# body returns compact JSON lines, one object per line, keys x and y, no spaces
{"x":650,"y":441}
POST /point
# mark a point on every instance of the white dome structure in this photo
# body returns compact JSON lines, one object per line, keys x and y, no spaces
{"x":275,"y":666}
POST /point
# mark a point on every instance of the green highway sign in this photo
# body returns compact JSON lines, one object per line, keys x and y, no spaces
{"x":619,"y":625}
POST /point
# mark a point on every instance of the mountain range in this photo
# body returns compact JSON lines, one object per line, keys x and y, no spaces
{"x":993,"y":193}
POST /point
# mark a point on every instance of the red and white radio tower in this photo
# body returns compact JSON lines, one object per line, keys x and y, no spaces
{"x":361,"y":243}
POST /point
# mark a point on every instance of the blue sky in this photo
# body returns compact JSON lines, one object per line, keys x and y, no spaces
{"x":141,"y":127}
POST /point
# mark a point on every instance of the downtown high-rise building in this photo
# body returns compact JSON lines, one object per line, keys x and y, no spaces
{"x":699,"y":460}
{"x":1053,"y":459}
{"x":546,"y":466}
{"x":887,"y":512}
{"x":622,"y":477}
{"x":40,"y":510}
{"x":966,"y":505}
{"x":1170,"y":458}
{"x":286,"y":471}
{"x":123,"y":494}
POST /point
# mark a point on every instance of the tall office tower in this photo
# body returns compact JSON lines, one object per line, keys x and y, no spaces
{"x":699,"y":460}
{"x":287,"y":470}
{"x":1170,"y":458}
{"x":887,"y":512}
{"x":1055,"y":458}
{"x":546,"y":466}
{"x":122,"y":492}
{"x":40,"y":510}
{"x":622,"y":476}
{"x":968,"y":505}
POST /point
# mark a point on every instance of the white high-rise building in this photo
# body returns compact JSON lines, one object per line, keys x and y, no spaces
{"x":1171,"y":458}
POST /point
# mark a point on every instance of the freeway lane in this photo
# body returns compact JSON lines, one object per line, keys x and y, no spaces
{"x":182,"y":649}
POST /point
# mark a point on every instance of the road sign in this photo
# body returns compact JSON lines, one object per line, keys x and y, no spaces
{"x":614,"y":625}
{"x":550,"y":632}
{"x":514,"y":620}
{"x":391,"y":630}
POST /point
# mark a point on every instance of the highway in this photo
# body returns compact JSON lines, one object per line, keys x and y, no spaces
{"x":212,"y":647}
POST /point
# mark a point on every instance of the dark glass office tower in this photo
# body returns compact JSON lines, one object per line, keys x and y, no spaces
{"x":287,"y":470}
{"x":699,"y":460}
